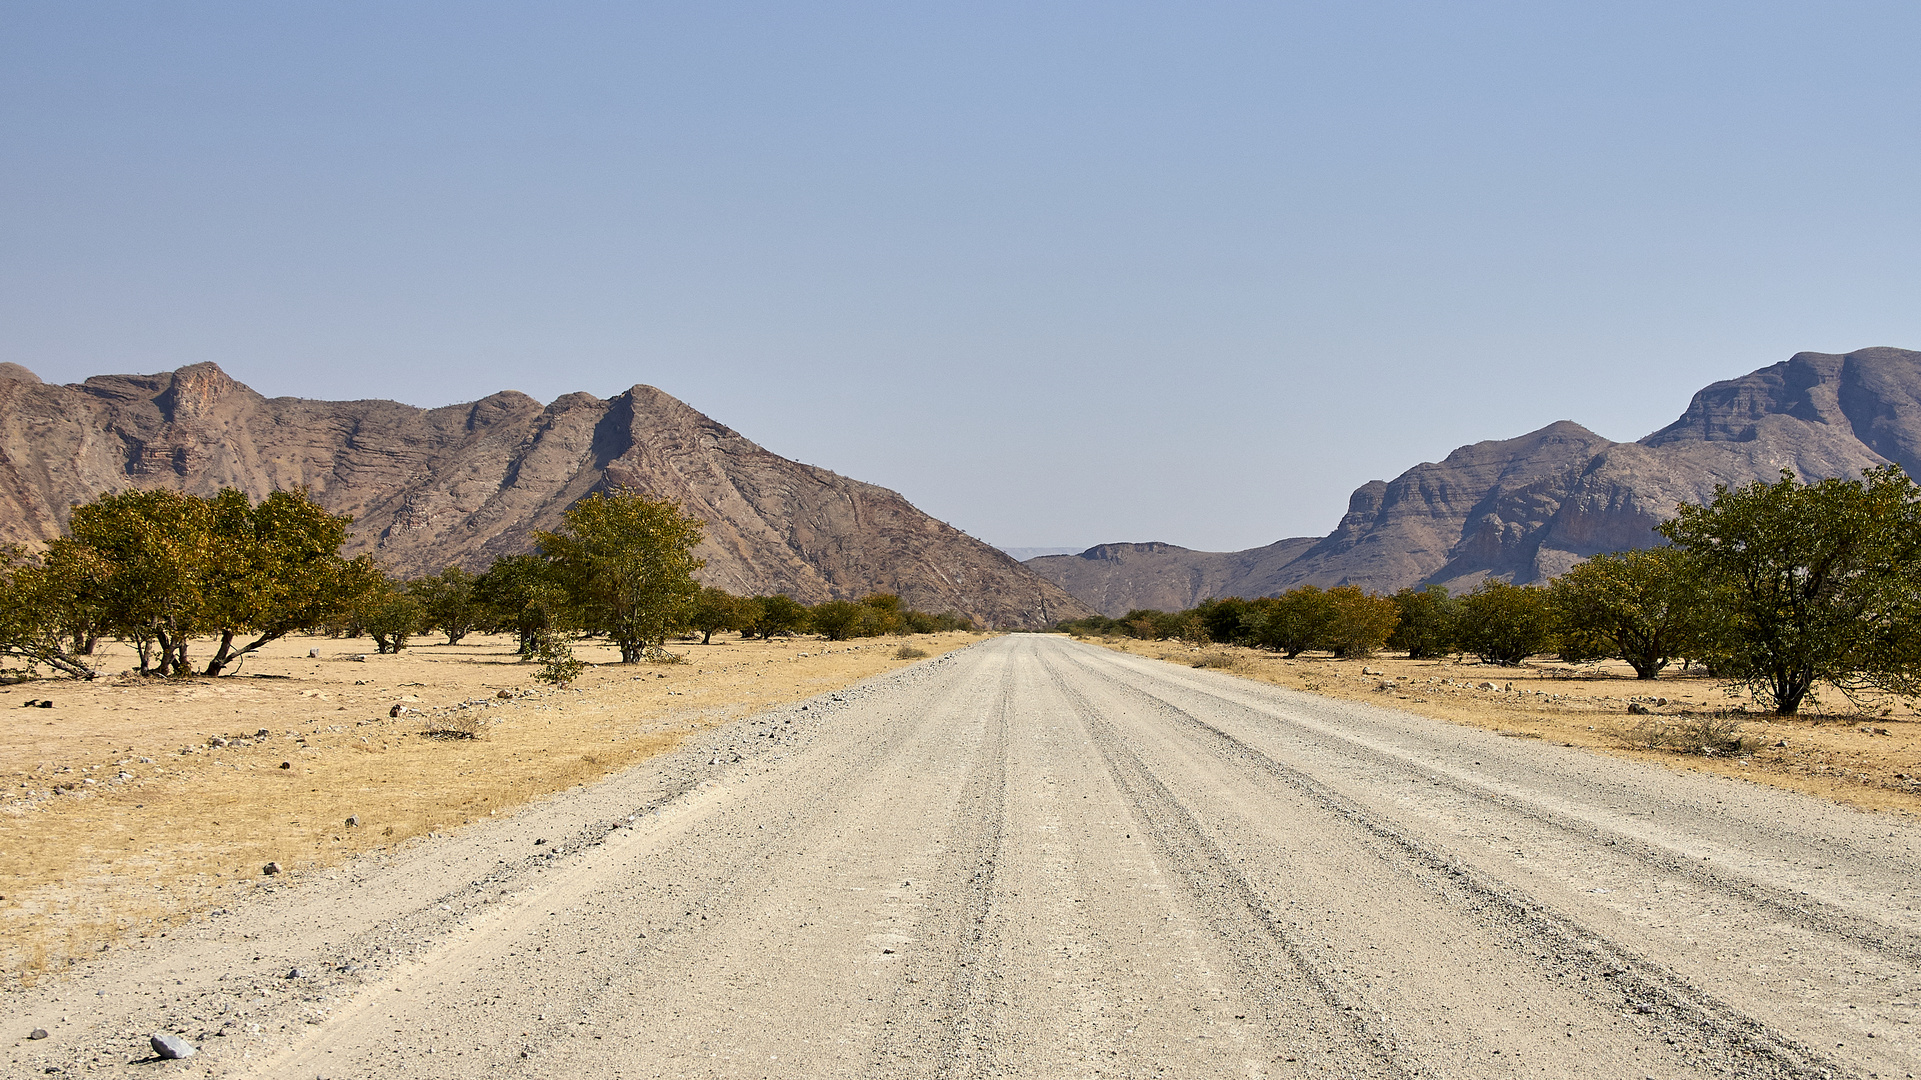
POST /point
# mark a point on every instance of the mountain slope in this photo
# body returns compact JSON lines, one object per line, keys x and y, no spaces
{"x":1526,"y":509}
{"x":467,"y":483}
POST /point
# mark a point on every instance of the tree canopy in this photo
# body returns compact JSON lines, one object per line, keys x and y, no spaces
{"x":160,"y":567}
{"x":1360,"y":622}
{"x":628,"y":566}
{"x":835,"y":619}
{"x":1293,"y":622}
{"x":1811,"y":582}
{"x":1505,"y":624}
{"x":448,"y":603}
{"x":715,"y":610}
{"x":1429,"y":618}
{"x":1639,"y":606}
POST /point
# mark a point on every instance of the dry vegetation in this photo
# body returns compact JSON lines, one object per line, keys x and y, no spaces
{"x":133,"y":801}
{"x":1870,"y":760}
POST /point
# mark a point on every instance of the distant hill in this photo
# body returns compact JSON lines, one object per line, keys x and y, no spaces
{"x":1527,"y":508}
{"x":467,"y":483}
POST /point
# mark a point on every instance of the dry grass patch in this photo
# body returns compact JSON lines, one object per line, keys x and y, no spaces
{"x":1870,"y":760}
{"x":1220,"y":660}
{"x":134,"y":801}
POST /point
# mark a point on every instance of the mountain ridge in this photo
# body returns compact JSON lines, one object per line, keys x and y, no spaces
{"x":466,"y":483}
{"x":1529,"y":507}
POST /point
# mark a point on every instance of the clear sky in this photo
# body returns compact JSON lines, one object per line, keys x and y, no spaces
{"x":1061,"y":273}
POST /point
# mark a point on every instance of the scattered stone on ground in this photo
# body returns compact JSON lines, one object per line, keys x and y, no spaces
{"x":171,"y":1047}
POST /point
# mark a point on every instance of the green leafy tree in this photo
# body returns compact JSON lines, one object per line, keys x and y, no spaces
{"x":834,"y":619}
{"x":521,"y":594}
{"x":275,"y":569}
{"x":554,"y":651}
{"x":1189,"y":628}
{"x":715,"y":610}
{"x":1427,"y":626}
{"x":163,"y":567}
{"x":69,"y":591}
{"x":883,"y":613}
{"x":1362,"y":621}
{"x":390,"y":616}
{"x":750,"y":613}
{"x":1092,"y":625}
{"x":147,"y":554}
{"x":1505,"y":624}
{"x":921,"y":622}
{"x":1296,"y":621}
{"x":33,"y":623}
{"x":449,"y":603}
{"x":1222,"y":619}
{"x":1811,"y":582}
{"x":628,"y":564}
{"x":1148,"y":624}
{"x":69,"y":587}
{"x":1644,"y":607}
{"x":778,"y":614}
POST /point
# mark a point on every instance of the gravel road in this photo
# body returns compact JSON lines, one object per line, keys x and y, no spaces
{"x":1040,"y":858}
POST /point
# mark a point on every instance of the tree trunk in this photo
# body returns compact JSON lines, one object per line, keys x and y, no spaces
{"x":221,"y":655}
{"x":233,"y":656}
{"x":1791,"y":686}
{"x":172,"y":653}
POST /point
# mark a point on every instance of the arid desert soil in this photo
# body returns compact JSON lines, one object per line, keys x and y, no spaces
{"x":1869,"y":758}
{"x":1039,"y":858}
{"x":132,"y":801}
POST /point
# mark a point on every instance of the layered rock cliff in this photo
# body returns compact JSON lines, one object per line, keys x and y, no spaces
{"x":467,"y":483}
{"x":1526,"y":509}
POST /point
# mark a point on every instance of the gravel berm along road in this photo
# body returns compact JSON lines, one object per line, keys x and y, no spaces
{"x":1039,"y":858}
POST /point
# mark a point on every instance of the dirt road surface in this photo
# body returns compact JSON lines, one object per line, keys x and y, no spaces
{"x":1038,"y":858}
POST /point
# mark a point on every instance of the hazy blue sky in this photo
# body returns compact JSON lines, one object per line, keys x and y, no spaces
{"x":1061,"y":273}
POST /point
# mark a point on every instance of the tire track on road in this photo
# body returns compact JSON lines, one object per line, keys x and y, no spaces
{"x":1705,"y":1028}
{"x":1807,"y":912}
{"x":1360,"y":1041}
{"x":708,"y":890}
{"x":947,"y":1024}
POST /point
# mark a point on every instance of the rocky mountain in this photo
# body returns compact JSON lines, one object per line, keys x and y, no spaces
{"x":1527,"y":508}
{"x":467,"y":483}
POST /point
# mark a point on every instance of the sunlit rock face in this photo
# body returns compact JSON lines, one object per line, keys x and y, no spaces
{"x":1527,"y":508}
{"x":464,"y":484}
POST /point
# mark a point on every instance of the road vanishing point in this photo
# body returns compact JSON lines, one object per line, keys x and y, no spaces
{"x":1039,"y":858}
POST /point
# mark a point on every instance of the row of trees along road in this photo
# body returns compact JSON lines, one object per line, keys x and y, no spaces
{"x":1778,"y":587}
{"x":160,"y":570}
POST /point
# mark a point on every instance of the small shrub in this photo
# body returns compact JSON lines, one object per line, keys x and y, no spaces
{"x":908,"y":652}
{"x":558,"y":664}
{"x":654,"y":654}
{"x":1220,"y":659}
{"x":455,"y":726}
{"x":1707,"y":733}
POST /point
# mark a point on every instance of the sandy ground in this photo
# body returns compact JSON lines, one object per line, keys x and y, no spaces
{"x":1867,"y":758}
{"x":1039,"y":858}
{"x":133,"y":801}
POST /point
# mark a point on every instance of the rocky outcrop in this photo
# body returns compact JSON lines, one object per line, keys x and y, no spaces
{"x":1526,"y":509}
{"x":467,"y":483}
